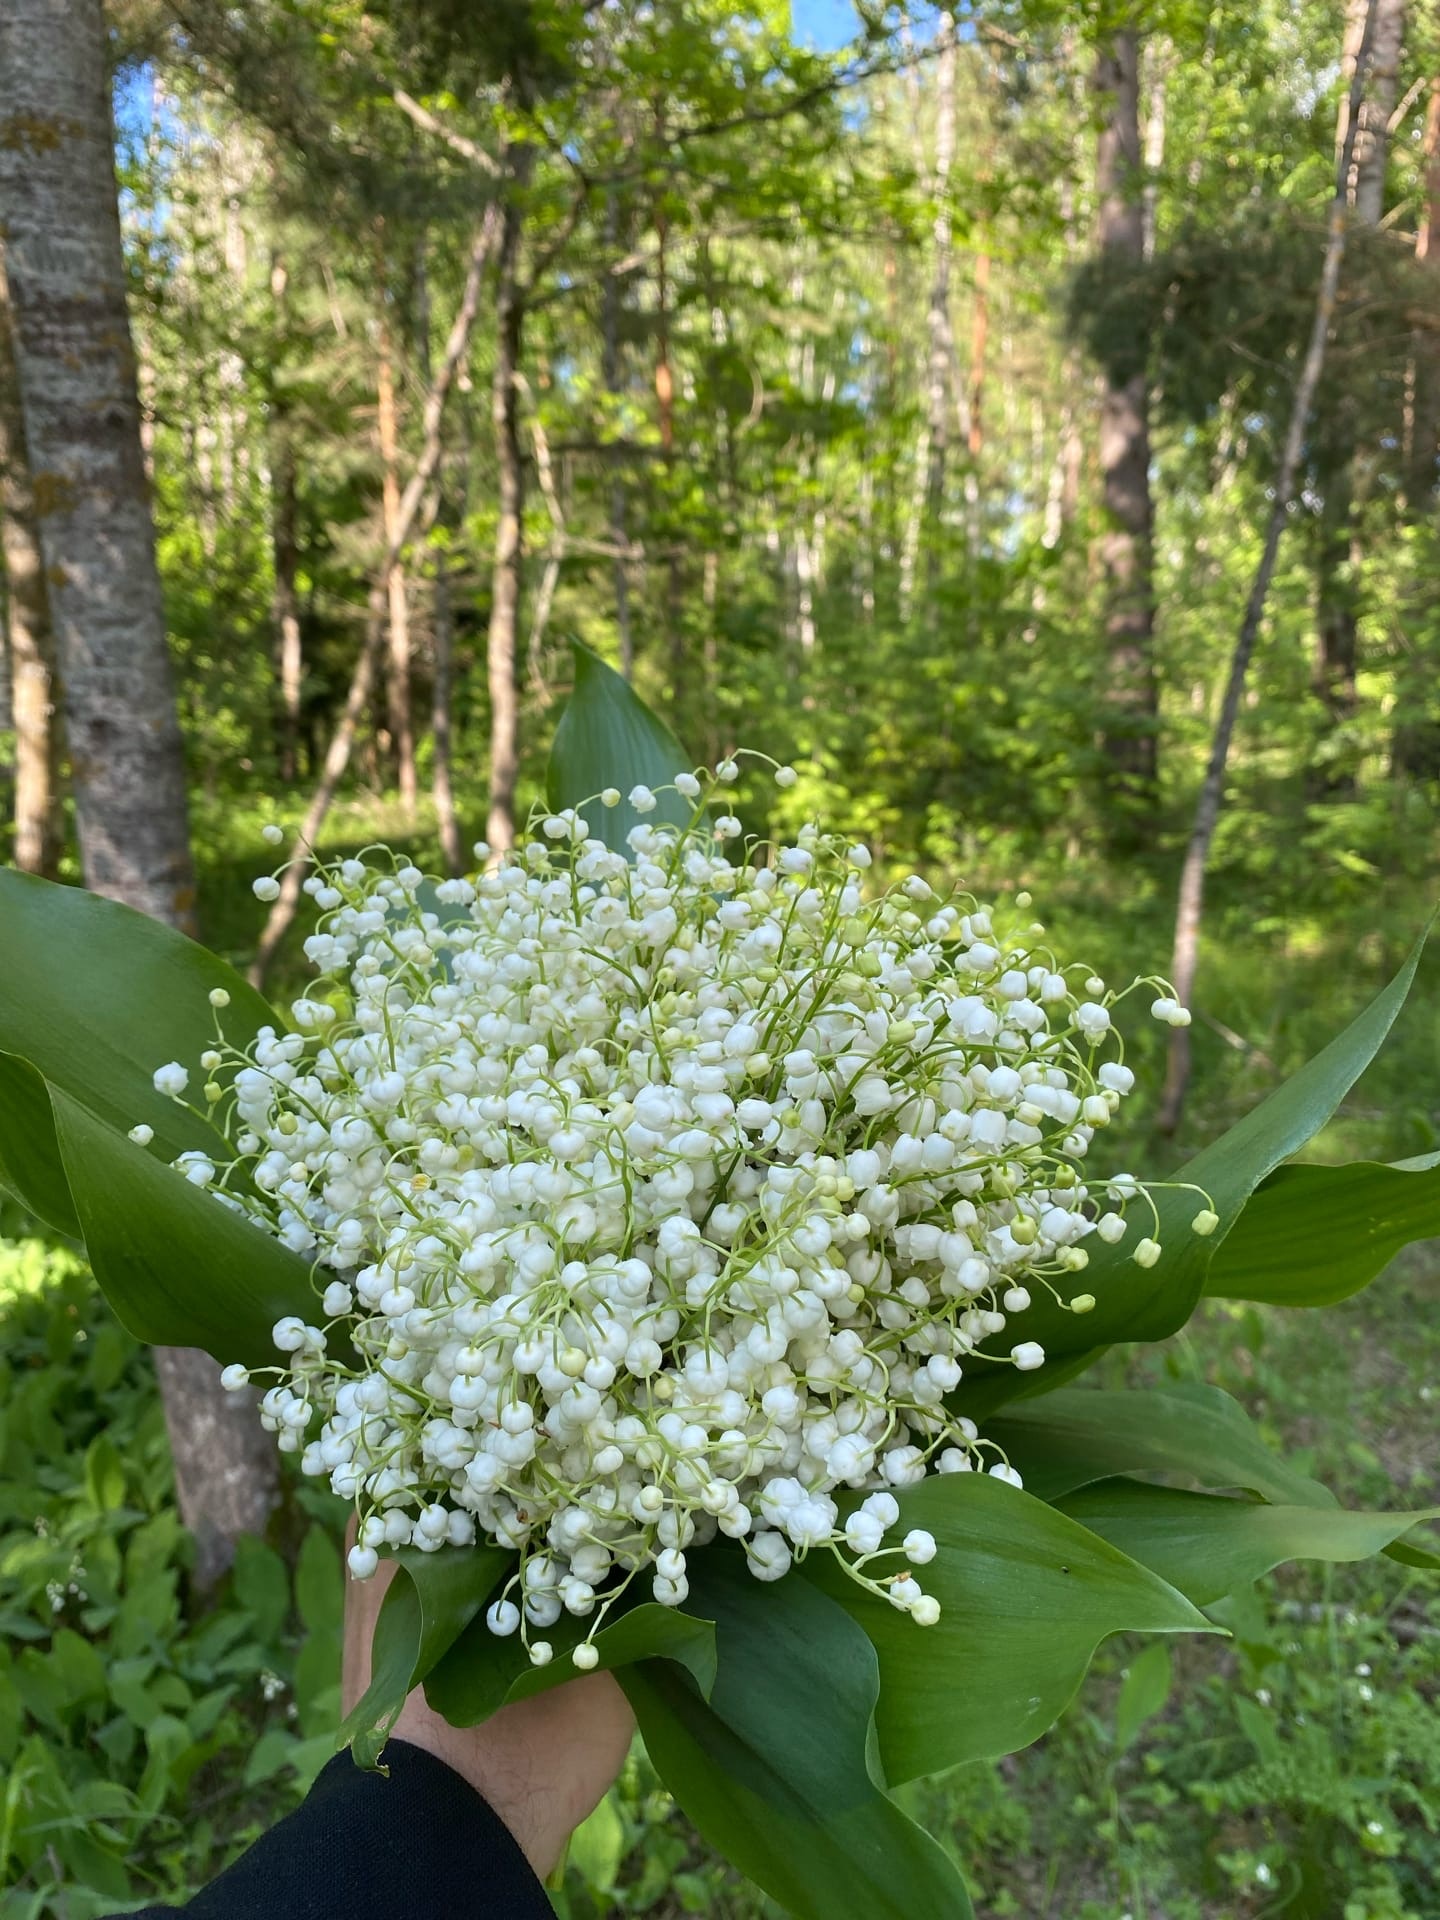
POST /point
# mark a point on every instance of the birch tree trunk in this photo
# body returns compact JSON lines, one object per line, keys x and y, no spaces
{"x":1125,"y":545}
{"x":29,"y":646}
{"x":82,"y":420}
{"x":1212,"y":790}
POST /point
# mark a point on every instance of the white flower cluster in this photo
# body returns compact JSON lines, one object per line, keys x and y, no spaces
{"x":662,"y":1197}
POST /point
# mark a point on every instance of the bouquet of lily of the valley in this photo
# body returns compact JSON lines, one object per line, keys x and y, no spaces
{"x":678,"y":1250}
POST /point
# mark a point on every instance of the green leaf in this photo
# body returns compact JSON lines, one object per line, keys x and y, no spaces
{"x":774,"y":1769}
{"x":432,"y":1600}
{"x":1410,"y":1553}
{"x":1065,"y":1440}
{"x":1143,"y":1692}
{"x":1026,"y":1596}
{"x":1315,"y":1235}
{"x":608,"y":737}
{"x":262,"y":1586}
{"x":95,"y":997}
{"x":1207,"y":1545}
{"x":597,"y":1846}
{"x":104,"y":1475}
{"x":179,"y":1268}
{"x":482,"y":1672}
{"x":1134,"y":1303}
{"x":30,"y":1165}
{"x":320,"y":1585}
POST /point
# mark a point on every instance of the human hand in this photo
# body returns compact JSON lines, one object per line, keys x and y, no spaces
{"x":542,"y":1764}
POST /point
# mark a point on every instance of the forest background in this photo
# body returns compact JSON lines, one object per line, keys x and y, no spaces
{"x":904,"y":396}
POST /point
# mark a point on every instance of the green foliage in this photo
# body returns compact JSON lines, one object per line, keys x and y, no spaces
{"x":792,"y":1798}
{"x":142,"y":1743}
{"x":606,"y":728}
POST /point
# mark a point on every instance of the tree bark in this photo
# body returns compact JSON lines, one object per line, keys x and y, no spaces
{"x":1372,"y":136}
{"x":1415,"y":743}
{"x":362,"y":681}
{"x":505,"y":577}
{"x":1125,"y":545}
{"x":397,"y":676}
{"x":932,"y":444}
{"x":82,"y":423}
{"x":1207,"y":811}
{"x":284,"y":548}
{"x":29,"y":646}
{"x":610,"y":370}
{"x":442,"y":611}
{"x":1339,"y":597}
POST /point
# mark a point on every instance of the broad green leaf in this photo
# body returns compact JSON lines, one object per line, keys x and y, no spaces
{"x":96,"y":997}
{"x":1143,"y":1692}
{"x":608,"y":737}
{"x":1209,"y":1544}
{"x":320,"y":1585}
{"x":1315,"y":1235}
{"x":178,"y":1267}
{"x":432,"y":1600}
{"x":30,"y":1166}
{"x":1135,"y":1303}
{"x":482,"y":1673}
{"x":1027,"y":1594}
{"x":1411,"y":1553}
{"x":1065,"y":1440}
{"x":774,"y":1769}
{"x":597,"y":1846}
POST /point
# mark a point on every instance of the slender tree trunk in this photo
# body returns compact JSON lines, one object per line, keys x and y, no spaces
{"x":1125,"y":546}
{"x":611,"y":374}
{"x":441,"y":786}
{"x":284,"y":540}
{"x":442,"y":611}
{"x":502,"y":643}
{"x":1207,"y":811}
{"x":29,"y":647}
{"x":362,"y":681}
{"x":1339,"y":595}
{"x":1415,"y":743}
{"x":928,"y":483}
{"x":82,"y":424}
{"x":284,"y":548}
{"x":397,"y":675}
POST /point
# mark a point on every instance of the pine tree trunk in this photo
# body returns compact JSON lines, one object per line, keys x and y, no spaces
{"x":29,"y":647}
{"x":1125,"y":545}
{"x":82,"y":423}
{"x":503,"y":639}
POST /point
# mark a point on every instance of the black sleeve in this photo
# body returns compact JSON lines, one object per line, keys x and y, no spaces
{"x":416,"y":1844}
